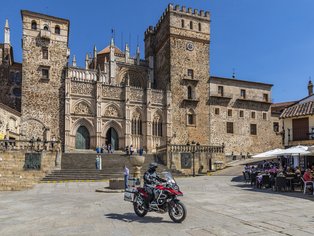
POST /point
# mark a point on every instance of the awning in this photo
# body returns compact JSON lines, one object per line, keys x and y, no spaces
{"x":270,"y":153}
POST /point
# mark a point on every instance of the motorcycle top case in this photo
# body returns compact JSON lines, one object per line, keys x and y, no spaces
{"x":129,"y":195}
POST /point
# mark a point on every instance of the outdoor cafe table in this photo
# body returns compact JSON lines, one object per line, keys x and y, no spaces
{"x":290,"y":178}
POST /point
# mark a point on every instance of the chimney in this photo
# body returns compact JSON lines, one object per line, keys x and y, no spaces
{"x":310,"y":88}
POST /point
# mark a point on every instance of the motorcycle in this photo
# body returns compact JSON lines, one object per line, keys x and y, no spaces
{"x":165,"y":199}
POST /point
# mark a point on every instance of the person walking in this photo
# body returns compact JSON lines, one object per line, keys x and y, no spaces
{"x":126,"y":176}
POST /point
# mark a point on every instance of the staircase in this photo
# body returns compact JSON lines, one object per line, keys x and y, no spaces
{"x":81,"y":166}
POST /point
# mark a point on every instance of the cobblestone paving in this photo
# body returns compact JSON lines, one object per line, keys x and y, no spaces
{"x":217,"y":205}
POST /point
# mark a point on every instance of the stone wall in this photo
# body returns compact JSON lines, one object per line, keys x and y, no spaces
{"x":43,"y":95}
{"x":9,"y":122}
{"x":13,"y":176}
{"x":242,"y":112}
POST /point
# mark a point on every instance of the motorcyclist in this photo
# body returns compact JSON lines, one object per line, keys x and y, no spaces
{"x":151,"y":179}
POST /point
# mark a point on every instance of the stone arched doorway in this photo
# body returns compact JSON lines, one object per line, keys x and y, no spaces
{"x":82,"y":138}
{"x":112,"y":138}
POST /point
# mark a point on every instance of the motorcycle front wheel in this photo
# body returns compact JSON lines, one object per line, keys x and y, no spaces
{"x":177,"y":212}
{"x":138,"y":207}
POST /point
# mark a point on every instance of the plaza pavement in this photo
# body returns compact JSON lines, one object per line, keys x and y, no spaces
{"x":216,"y":205}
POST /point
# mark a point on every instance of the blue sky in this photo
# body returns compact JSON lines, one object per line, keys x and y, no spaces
{"x":270,"y":41}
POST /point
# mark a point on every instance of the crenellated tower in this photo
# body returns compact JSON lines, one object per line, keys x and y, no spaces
{"x":45,"y":57}
{"x":177,"y":49}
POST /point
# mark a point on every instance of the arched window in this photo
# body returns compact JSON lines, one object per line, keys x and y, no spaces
{"x":34,"y":25}
{"x":199,"y":27}
{"x":57,"y":29}
{"x":46,"y":27}
{"x":191,"y":24}
{"x":136,"y":124}
{"x":190,"y":95}
{"x":157,"y":126}
{"x":182,"y":23}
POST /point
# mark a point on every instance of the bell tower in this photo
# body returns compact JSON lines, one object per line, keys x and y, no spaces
{"x":179,"y":48}
{"x":45,"y":56}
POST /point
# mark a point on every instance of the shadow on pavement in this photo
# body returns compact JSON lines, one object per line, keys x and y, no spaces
{"x":130,"y":217}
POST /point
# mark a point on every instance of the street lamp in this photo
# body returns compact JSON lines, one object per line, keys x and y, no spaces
{"x":194,"y":148}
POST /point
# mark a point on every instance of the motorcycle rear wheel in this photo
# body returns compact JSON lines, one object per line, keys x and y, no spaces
{"x":177,"y":212}
{"x":139,"y":209}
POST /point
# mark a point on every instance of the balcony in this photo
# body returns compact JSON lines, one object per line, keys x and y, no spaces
{"x":45,"y":34}
{"x":190,"y":79}
{"x":241,"y":99}
{"x":221,"y":95}
{"x":190,"y":101}
{"x":308,"y":142}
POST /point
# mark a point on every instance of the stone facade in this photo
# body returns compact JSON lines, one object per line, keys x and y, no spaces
{"x":241,"y":117}
{"x":167,"y":98}
{"x":9,"y":122}
{"x":45,"y":53}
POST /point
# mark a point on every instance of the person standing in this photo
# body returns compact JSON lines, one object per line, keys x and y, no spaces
{"x":126,"y":176}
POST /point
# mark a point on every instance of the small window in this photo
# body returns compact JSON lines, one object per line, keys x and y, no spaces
{"x":276,"y":127}
{"x":57,"y":29}
{"x":191,"y":24}
{"x":182,"y":23}
{"x":190,"y":119}
{"x":216,"y":111}
{"x":190,"y":73}
{"x":34,"y":25}
{"x":45,"y":52}
{"x":199,"y":27}
{"x":243,"y":93}
{"x":241,"y":113}
{"x":190,"y":92}
{"x":229,"y":112}
{"x":230,"y":127}
{"x":221,"y":91}
{"x":253,"y":114}
{"x":46,"y":27}
{"x":253,"y":129}
{"x":265,"y":97}
{"x":45,"y":73}
{"x":264,"y":116}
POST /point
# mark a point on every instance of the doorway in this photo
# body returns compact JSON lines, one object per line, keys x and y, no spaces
{"x":82,"y":138}
{"x":112,"y":138}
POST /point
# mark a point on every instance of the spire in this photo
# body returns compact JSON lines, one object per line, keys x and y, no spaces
{"x":138,"y":55}
{"x":111,"y":42}
{"x":310,"y":87}
{"x":6,"y":32}
{"x":86,"y":61}
{"x":95,"y":51}
{"x":74,"y":61}
{"x":127,"y":52}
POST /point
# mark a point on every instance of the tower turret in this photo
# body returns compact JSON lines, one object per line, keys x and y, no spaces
{"x":127,"y":53}
{"x":138,"y":55}
{"x":74,"y":61}
{"x":7,"y":32}
{"x":86,"y":61}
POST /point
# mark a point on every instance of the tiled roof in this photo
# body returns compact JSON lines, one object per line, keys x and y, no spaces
{"x":107,"y":50}
{"x":296,"y":110}
{"x":279,"y":107}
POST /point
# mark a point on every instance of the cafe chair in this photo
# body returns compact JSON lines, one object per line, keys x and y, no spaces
{"x":307,"y":185}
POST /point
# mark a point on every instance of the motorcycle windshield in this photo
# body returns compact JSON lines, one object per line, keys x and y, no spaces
{"x":168,"y":176}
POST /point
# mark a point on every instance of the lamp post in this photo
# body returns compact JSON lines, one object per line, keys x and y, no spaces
{"x":193,"y":148}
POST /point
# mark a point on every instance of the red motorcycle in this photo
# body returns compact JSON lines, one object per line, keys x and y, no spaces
{"x":165,"y":199}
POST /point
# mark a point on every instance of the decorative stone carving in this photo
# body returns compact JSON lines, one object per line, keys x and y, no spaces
{"x":157,"y":97}
{"x":137,"y":95}
{"x":112,"y":111}
{"x":82,"y":88}
{"x":112,"y":92}
{"x":83,"y":109}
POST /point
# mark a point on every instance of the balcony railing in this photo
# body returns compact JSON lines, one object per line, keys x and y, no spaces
{"x":221,"y":95}
{"x":29,"y":145}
